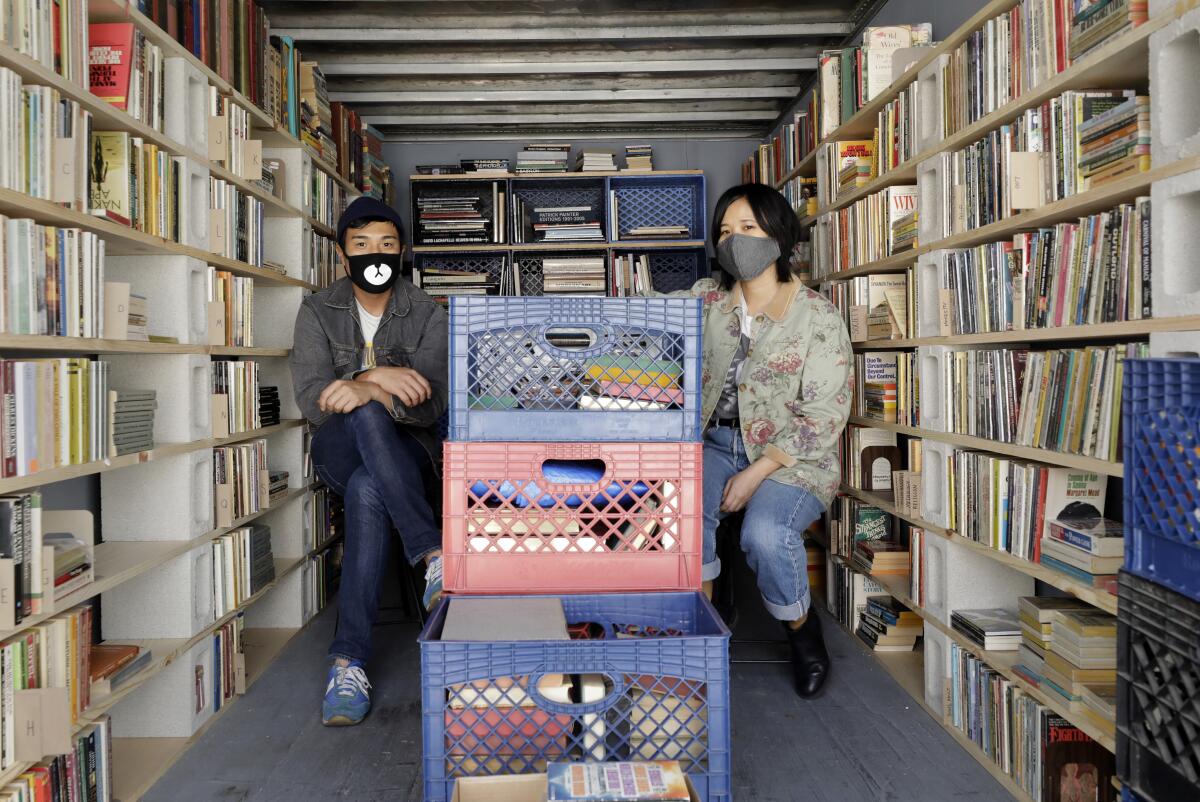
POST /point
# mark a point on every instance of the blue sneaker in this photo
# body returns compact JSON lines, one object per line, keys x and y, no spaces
{"x":346,"y":699}
{"x":433,"y":583}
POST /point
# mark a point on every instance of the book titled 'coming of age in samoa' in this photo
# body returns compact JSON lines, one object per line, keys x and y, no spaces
{"x":657,"y":781}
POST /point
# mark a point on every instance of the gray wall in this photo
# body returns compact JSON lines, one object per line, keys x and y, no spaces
{"x":720,"y":159}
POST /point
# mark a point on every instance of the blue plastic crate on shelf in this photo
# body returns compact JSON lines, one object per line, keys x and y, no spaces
{"x":654,"y":686}
{"x":456,"y":202}
{"x":575,"y":369}
{"x":1161,"y":427}
{"x":1158,"y":691}
{"x":656,"y":200}
{"x":671,"y":269}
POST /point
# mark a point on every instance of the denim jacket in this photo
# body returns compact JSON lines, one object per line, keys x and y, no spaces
{"x":797,"y":380}
{"x":328,"y":345}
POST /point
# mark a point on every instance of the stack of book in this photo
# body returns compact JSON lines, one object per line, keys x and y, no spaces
{"x":277,"y":485}
{"x":243,"y":564}
{"x":561,"y":223}
{"x":1116,"y":142}
{"x":440,"y":169}
{"x":268,"y":405}
{"x":877,"y":393}
{"x":1037,"y":614}
{"x":1099,"y":21}
{"x":995,"y":629}
{"x":442,"y":284}
{"x":1090,"y":550}
{"x":316,"y":114}
{"x":841,"y":158}
{"x":858,"y":173}
{"x":131,"y":421}
{"x":376,"y":177}
{"x":1083,"y":651}
{"x":886,"y":625}
{"x":658,"y":232}
{"x":1098,"y":700}
{"x":904,"y":232}
{"x":576,"y":275}
{"x":869,"y":456}
{"x":852,"y":76}
{"x":639,"y":158}
{"x":112,"y":665}
{"x":631,"y":275}
{"x":456,"y":220}
{"x":544,"y":158}
{"x":136,"y":329}
{"x":484,"y":166}
{"x":241,"y":481}
{"x":847,"y":591}
{"x":881,"y":556}
{"x":72,"y":562}
{"x":595,"y":161}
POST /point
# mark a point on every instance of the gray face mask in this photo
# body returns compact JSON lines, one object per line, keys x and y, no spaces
{"x":744,"y":257}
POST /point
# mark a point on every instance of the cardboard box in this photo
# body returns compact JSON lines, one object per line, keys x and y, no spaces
{"x":512,"y":788}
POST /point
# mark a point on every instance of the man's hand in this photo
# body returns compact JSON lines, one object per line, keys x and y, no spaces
{"x":741,"y":486}
{"x":346,"y":396}
{"x":406,"y":384}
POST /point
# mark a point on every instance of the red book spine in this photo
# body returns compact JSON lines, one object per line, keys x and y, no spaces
{"x":110,"y":57}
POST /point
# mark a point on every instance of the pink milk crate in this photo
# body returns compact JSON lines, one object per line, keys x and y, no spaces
{"x":571,"y":517}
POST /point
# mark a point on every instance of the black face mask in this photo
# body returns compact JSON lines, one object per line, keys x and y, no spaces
{"x":374,"y":272}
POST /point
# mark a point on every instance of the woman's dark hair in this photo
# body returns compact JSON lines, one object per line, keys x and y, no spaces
{"x":774,"y":215}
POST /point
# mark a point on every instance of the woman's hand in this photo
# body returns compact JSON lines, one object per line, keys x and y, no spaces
{"x":741,"y":486}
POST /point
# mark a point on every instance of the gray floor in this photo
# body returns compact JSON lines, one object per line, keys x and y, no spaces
{"x":862,"y":739}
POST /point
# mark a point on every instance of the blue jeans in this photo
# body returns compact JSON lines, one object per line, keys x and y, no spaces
{"x":380,"y":470}
{"x":772,"y":530}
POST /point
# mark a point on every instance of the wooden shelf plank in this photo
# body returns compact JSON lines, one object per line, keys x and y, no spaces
{"x":574,"y":174}
{"x":1001,"y":661}
{"x":91,"y":345}
{"x":1092,"y":331}
{"x":1095,"y":596}
{"x":16,"y":483}
{"x":564,"y":246}
{"x":896,"y":263}
{"x":983,"y":444}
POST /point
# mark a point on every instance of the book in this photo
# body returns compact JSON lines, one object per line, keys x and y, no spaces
{"x":107,"y":659}
{"x":1099,"y":537}
{"x":995,"y":629}
{"x":110,"y":59}
{"x":1063,"y":553}
{"x":512,"y":619}
{"x":658,"y":781}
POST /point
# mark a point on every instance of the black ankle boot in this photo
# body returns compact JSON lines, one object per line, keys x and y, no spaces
{"x":810,"y":659}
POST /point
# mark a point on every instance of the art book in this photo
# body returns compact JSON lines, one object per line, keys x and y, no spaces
{"x":657,"y":781}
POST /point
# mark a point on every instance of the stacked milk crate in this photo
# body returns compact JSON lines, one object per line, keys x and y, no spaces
{"x":1158,"y":612}
{"x":573,"y":474}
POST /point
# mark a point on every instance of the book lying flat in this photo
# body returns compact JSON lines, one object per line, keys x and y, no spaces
{"x":505,"y":619}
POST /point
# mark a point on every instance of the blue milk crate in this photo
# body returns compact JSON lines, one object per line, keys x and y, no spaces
{"x":1161,"y":416}
{"x":654,"y":687}
{"x":658,"y":200}
{"x":575,"y":369}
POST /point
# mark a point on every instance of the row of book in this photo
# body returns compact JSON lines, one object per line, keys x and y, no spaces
{"x":236,"y":223}
{"x":461,"y":218}
{"x":228,"y":665}
{"x":321,"y":262}
{"x":320,"y":578}
{"x":53,"y":280}
{"x":237,"y":383}
{"x":76,"y":390}
{"x":236,"y":293}
{"x":241,"y":481}
{"x":53,"y":35}
{"x":235,"y":131}
{"x":801,"y":194}
{"x":548,"y":158}
{"x":842,"y":167}
{"x":895,"y":140}
{"x":771,"y":161}
{"x":327,"y":518}
{"x":862,"y":232}
{"x":324,"y":199}
{"x":1069,"y":144}
{"x":1041,"y":751}
{"x":1064,"y":400}
{"x":879,"y":306}
{"x":47,"y":564}
{"x":543,"y":158}
{"x":316,"y":114}
{"x":269,"y":411}
{"x":46,"y":131}
{"x":127,"y":71}
{"x":626,"y":275}
{"x":83,"y":773}
{"x":851,"y":77}
{"x":1069,"y":650}
{"x":243,"y":564}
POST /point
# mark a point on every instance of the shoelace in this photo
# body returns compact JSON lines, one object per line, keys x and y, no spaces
{"x":433,"y":573}
{"x":350,"y":680}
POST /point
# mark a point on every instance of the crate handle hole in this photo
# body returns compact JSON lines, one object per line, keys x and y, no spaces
{"x":574,"y":472}
{"x":593,"y":692}
{"x":572,"y":338}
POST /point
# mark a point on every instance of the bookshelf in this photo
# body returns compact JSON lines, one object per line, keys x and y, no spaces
{"x":659,"y":197}
{"x":1128,"y":60}
{"x":154,"y":567}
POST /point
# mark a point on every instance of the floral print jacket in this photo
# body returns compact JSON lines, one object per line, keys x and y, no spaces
{"x":798,"y":380}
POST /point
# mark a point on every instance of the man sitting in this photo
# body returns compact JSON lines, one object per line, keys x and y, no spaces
{"x":369,"y":366}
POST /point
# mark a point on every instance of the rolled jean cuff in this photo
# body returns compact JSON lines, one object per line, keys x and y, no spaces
{"x":341,"y":655}
{"x":420,"y":558}
{"x":789,"y":612}
{"x":710,"y":571}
